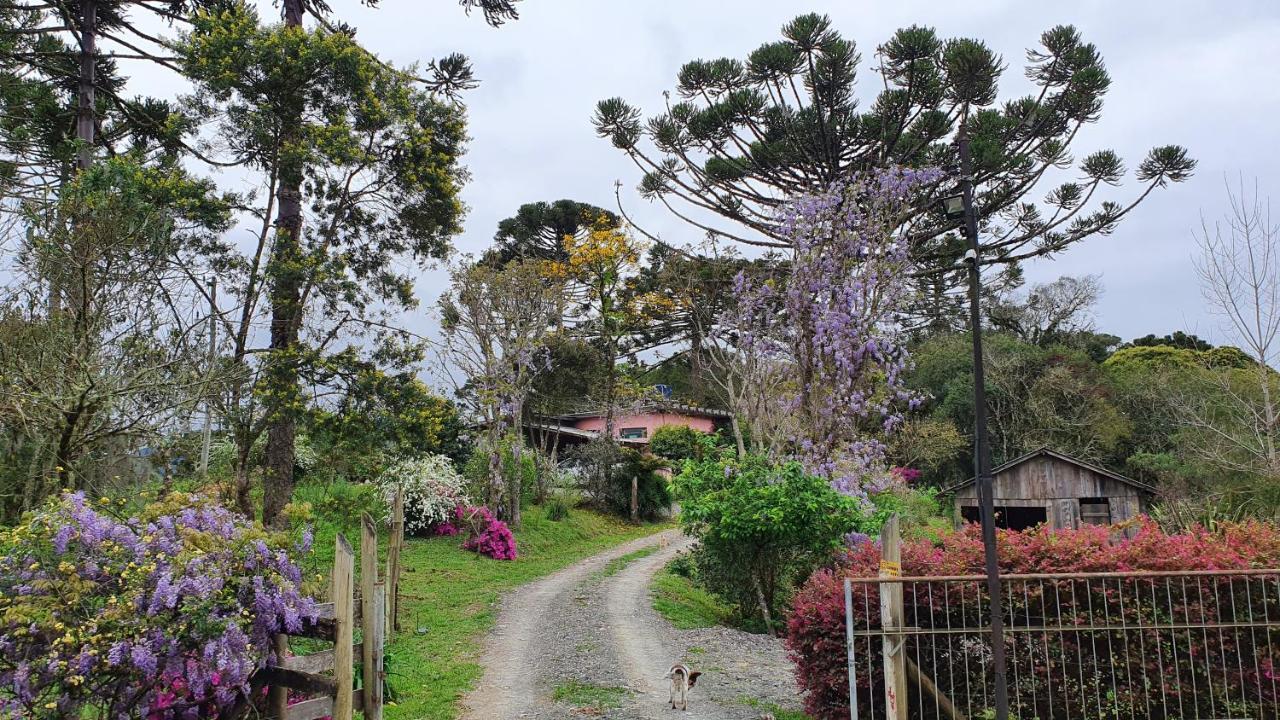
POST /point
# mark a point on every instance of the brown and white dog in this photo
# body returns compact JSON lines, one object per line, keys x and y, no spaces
{"x":682,"y":681}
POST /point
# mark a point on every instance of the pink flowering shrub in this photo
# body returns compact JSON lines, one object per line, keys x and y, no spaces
{"x":486,"y":534}
{"x":816,"y":632}
{"x":163,"y":615}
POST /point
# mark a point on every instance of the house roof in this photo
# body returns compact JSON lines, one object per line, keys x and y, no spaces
{"x":1044,"y":451}
{"x":573,"y":432}
{"x":663,"y":407}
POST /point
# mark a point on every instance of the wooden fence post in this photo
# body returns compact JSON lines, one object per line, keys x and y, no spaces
{"x":278,"y":695}
{"x":891,"y":618}
{"x":393,"y":562}
{"x":344,"y":627}
{"x":376,"y":644}
{"x":368,"y":578}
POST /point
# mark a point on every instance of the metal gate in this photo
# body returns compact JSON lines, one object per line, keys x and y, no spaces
{"x":1129,"y":645}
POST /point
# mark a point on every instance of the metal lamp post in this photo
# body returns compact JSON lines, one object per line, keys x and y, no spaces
{"x":957,"y":206}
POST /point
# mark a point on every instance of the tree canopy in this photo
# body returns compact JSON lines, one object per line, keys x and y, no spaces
{"x":738,"y":138}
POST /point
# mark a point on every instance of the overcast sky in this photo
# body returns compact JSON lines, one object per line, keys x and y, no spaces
{"x":1198,"y":74}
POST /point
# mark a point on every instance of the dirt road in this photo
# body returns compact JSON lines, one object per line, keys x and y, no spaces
{"x":583,"y":643}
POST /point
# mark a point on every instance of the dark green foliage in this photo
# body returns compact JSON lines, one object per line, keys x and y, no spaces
{"x":683,"y":565}
{"x":522,"y":470}
{"x":557,"y":509}
{"x":761,"y":528}
{"x":381,"y":418}
{"x":537,"y":230}
{"x":1056,"y":396}
{"x":1178,"y":339}
{"x":677,"y":443}
{"x":653,"y":492}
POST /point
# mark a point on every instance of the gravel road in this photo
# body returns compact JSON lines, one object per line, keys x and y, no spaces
{"x":597,"y":642}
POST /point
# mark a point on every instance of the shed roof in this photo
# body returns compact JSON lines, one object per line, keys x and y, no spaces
{"x":1044,"y":451}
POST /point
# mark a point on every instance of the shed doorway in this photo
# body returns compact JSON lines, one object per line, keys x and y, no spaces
{"x":1009,"y":517}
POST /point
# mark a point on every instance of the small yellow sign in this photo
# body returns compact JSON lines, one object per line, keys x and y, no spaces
{"x":889,"y":568}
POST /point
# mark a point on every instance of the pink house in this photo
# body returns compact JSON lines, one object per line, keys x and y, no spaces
{"x":634,"y":427}
{"x":640,"y":426}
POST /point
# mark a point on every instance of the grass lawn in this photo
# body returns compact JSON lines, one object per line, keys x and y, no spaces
{"x":778,"y":713}
{"x":448,"y":595}
{"x":592,"y":699}
{"x":686,"y":605}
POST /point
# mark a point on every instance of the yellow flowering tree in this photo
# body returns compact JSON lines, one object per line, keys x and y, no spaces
{"x":601,"y":269}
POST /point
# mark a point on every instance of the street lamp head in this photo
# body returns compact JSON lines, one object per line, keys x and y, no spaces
{"x":953,"y":206}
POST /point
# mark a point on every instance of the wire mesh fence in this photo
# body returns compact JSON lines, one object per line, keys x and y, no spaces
{"x":1202,"y":644}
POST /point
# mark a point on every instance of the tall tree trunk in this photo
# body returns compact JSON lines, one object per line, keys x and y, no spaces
{"x":86,"y":93}
{"x":737,"y":437}
{"x":32,"y":492}
{"x":762,"y":603}
{"x":497,"y":487}
{"x":696,"y":370}
{"x":243,"y":503}
{"x":286,"y":309}
{"x":515,"y":483}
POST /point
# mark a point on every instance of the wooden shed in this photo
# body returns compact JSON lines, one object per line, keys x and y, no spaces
{"x":1049,"y":487}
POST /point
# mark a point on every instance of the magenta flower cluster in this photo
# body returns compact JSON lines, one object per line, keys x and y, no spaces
{"x":165,"y":614}
{"x":487,"y":535}
{"x":833,"y":318}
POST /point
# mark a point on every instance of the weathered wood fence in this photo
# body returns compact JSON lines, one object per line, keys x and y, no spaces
{"x":322,"y":684}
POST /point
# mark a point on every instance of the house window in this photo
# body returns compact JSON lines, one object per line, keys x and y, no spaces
{"x":1095,"y":511}
{"x":635,"y":433}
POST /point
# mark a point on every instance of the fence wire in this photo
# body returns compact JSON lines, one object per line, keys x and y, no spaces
{"x":1125,"y":646}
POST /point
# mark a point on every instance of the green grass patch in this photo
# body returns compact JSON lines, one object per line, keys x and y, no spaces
{"x":616,"y":565}
{"x":686,"y":605}
{"x":586,"y":696}
{"x":777,"y":712}
{"x":448,"y":595}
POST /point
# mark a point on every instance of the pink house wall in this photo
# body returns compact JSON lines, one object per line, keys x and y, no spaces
{"x":648,"y":421}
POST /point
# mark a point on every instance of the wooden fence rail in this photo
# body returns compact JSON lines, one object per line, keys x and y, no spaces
{"x":325,"y":680}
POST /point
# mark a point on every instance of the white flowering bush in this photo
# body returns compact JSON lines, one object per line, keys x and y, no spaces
{"x":432,"y":490}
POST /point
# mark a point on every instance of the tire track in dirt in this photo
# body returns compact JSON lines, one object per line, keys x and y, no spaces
{"x":580,"y":629}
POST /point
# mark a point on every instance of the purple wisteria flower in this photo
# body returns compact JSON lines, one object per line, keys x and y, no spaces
{"x":163,"y":615}
{"x":831,"y":320}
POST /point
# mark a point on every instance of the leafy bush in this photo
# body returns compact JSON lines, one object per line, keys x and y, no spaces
{"x":921,"y":512}
{"x":557,"y":509}
{"x":760,"y":527}
{"x":433,"y":490}
{"x":486,"y":534}
{"x":162,"y":615}
{"x":682,"y":564}
{"x":526,"y":471}
{"x":816,"y":632}
{"x":652,"y":491}
{"x":678,"y":443}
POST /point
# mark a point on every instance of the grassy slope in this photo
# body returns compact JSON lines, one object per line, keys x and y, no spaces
{"x":686,"y":605}
{"x":449,"y":596}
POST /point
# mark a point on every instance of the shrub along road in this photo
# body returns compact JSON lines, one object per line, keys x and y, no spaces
{"x":586,"y":640}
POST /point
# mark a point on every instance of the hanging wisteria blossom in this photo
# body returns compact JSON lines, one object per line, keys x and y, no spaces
{"x":832,"y":317}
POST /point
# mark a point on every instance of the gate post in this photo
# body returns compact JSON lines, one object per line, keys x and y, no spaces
{"x":891,"y":612}
{"x":850,"y":650}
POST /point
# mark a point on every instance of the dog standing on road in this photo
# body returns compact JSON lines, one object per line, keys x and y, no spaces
{"x":682,"y":681}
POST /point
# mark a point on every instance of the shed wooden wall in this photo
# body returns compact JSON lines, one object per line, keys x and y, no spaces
{"x":1057,"y":486}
